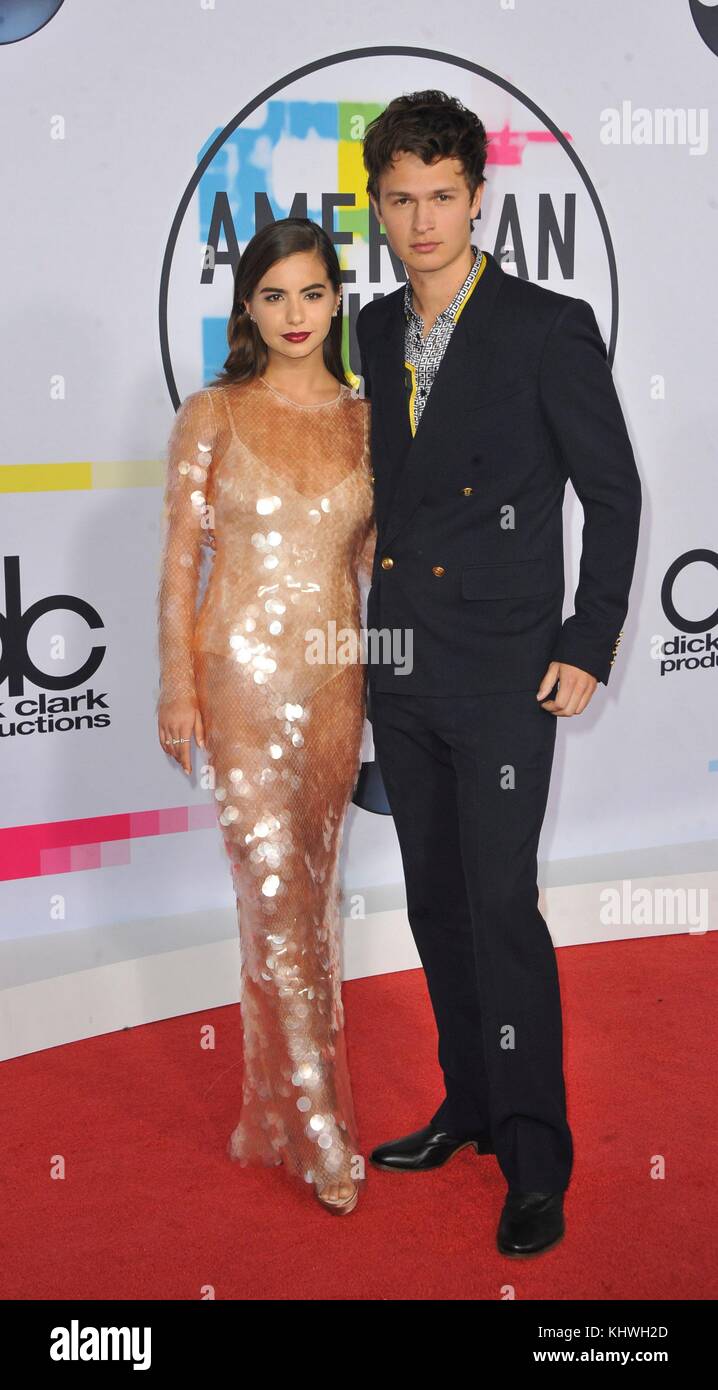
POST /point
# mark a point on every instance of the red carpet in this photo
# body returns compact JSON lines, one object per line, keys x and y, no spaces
{"x":152,"y":1207}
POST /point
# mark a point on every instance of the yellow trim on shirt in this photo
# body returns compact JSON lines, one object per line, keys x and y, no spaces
{"x":412,"y":397}
{"x":474,"y":283}
{"x":457,"y":315}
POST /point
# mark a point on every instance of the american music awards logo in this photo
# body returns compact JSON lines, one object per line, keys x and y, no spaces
{"x":295,"y":150}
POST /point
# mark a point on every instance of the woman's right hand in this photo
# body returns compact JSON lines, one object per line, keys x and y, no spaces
{"x":180,"y":719}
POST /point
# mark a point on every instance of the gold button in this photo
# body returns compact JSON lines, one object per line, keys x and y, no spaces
{"x":372,"y":477}
{"x":387,"y":562}
{"x":438,"y":570}
{"x":467,"y":491}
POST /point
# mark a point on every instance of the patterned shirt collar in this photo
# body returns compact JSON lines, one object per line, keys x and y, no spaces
{"x":449,"y":312}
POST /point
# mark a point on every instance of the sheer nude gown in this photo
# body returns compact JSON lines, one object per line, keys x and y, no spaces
{"x":286,"y":491}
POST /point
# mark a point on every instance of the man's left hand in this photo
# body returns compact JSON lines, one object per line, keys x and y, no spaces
{"x":574,"y":691}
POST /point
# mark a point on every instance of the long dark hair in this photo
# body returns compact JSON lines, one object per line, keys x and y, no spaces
{"x":247,"y":351}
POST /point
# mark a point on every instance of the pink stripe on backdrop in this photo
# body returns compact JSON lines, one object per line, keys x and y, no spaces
{"x":95,"y":842}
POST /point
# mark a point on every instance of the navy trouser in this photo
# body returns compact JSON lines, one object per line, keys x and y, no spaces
{"x":467,"y":780}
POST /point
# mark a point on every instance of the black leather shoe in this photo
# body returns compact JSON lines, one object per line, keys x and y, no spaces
{"x":426,"y":1148}
{"x":530,"y":1222}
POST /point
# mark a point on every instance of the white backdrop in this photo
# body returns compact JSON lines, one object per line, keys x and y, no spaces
{"x":131,"y":132}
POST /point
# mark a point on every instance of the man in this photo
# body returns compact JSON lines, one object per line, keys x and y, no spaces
{"x":488,"y":393}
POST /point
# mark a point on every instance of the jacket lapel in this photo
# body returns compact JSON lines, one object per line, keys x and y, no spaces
{"x":411,"y":458}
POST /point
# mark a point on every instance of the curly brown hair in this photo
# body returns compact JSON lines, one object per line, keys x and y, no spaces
{"x":431,"y":125}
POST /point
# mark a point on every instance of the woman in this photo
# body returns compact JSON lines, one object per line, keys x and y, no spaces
{"x":273,"y":460}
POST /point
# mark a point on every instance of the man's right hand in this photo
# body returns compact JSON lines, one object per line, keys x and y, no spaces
{"x":180,"y":719}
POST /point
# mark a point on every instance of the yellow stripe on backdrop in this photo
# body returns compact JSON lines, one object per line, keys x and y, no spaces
{"x":80,"y":477}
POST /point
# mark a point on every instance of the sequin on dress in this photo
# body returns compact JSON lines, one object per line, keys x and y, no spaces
{"x":286,"y":491}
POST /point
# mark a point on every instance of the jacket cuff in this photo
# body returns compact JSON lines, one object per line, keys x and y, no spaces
{"x":591,"y":654}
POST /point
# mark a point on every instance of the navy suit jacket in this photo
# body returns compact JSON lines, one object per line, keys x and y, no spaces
{"x":469,"y":551}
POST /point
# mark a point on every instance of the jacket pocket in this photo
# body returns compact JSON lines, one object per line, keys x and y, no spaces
{"x":514,"y":579}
